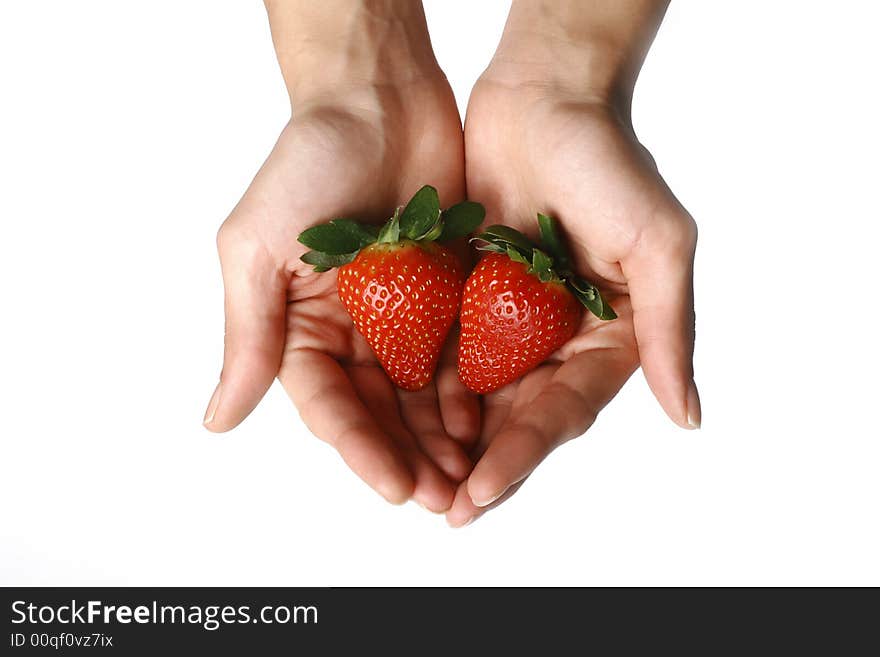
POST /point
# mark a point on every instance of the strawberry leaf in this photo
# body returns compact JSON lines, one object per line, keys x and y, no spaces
{"x":586,"y":289}
{"x":365,"y":233}
{"x":542,"y":266}
{"x":324,"y":261}
{"x":589,"y":295}
{"x":507,"y":235}
{"x":551,"y":240}
{"x":492,"y":247}
{"x":390,"y":232}
{"x":420,"y":214}
{"x":434,"y":232}
{"x":461,"y":219}
{"x":332,"y":239}
{"x":514,"y":255}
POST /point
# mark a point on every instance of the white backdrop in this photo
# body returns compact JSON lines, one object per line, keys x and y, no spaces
{"x":129,"y":130}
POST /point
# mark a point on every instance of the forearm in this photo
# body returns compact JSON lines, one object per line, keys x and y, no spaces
{"x":326,"y":45}
{"x":591,"y":47}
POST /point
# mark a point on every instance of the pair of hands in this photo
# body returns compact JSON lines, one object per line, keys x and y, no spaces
{"x":526,"y":148}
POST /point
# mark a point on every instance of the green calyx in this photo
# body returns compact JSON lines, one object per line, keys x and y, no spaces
{"x":550,"y":261}
{"x":338,"y":242}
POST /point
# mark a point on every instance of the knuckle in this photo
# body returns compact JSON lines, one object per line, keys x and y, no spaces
{"x":690,"y":231}
{"x":675,"y":234}
{"x":240,"y":246}
{"x":231,"y":239}
{"x":223,"y":237}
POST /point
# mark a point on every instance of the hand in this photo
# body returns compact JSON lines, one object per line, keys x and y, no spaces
{"x":532,"y":147}
{"x":361,"y":153}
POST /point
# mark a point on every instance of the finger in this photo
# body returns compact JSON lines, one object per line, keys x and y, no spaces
{"x":459,"y":407}
{"x":433,"y":490}
{"x":431,"y":487}
{"x":565,"y":408}
{"x":463,"y":511}
{"x":495,"y":412}
{"x":659,"y":275}
{"x":421,"y":415}
{"x":255,"y":303}
{"x":332,"y":410}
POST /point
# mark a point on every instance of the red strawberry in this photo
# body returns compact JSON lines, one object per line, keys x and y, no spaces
{"x":510,"y":322}
{"x":519,"y":308}
{"x":401,"y":289}
{"x":403,"y":298}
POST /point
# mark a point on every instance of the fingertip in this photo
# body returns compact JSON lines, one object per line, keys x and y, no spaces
{"x":396,"y":491}
{"x":218,"y":426}
{"x":215,"y":429}
{"x":245,"y":380}
{"x":444,"y":506}
{"x":462,"y":512}
{"x":211,"y":421}
{"x":685,"y":411}
{"x":432,"y":489}
{"x":455,"y":524}
{"x":435,"y":501}
{"x":387,"y":474}
{"x":230,"y":404}
{"x":483,"y":491}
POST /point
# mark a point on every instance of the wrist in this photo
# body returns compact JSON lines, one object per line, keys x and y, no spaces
{"x":330,"y":47}
{"x":586,"y":70}
{"x":594,"y":55}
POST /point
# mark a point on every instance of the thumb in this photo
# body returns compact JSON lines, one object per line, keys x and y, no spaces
{"x":659,"y":273}
{"x":256,"y":305}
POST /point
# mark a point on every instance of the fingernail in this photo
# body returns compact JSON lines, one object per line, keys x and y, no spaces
{"x":488,"y":501}
{"x":694,"y":412}
{"x":212,"y":406}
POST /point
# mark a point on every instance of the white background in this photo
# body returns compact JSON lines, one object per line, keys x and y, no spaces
{"x":129,"y":130}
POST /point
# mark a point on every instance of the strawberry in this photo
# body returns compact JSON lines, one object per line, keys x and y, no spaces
{"x":401,"y":288}
{"x":520,"y":305}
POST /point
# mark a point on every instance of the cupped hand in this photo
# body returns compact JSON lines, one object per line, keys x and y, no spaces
{"x":358,"y":154}
{"x":532,"y":148}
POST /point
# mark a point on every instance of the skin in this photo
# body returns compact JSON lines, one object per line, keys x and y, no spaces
{"x":548,"y":129}
{"x":354,"y":147}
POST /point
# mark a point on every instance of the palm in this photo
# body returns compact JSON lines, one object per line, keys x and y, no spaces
{"x":381,"y":431}
{"x":329,"y":163}
{"x":529,"y":152}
